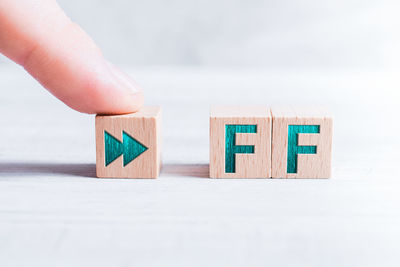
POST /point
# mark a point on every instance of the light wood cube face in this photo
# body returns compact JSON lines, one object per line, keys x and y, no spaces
{"x":301,"y":143}
{"x":240,"y":142}
{"x":129,"y":146}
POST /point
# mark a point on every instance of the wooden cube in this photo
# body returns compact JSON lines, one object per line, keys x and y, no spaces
{"x":240,"y":142}
{"x":301,"y":143}
{"x":129,"y":146}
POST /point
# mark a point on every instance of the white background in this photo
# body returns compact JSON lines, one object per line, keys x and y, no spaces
{"x":187,"y":56}
{"x":360,"y":34}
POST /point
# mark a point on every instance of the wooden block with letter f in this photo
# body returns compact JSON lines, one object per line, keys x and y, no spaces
{"x":301,"y":143}
{"x":240,"y":142}
{"x":129,"y":146}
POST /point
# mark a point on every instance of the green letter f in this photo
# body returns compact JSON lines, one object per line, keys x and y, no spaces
{"x":230,"y":144}
{"x":294,"y":149}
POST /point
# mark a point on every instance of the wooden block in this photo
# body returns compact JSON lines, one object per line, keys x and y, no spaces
{"x":301,"y":143}
{"x":129,"y":146}
{"x":240,"y":142}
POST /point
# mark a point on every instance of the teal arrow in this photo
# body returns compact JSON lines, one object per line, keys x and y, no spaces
{"x":130,"y":148}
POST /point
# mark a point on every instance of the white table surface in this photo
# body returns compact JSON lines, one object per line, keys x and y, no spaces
{"x":53,"y":212}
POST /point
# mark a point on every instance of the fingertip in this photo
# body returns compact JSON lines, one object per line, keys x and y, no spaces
{"x":113,"y":93}
{"x":128,"y":104}
{"x":105,"y":99}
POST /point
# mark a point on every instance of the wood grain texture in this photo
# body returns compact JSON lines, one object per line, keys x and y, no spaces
{"x":308,"y":165}
{"x":251,"y":165}
{"x":145,"y":127}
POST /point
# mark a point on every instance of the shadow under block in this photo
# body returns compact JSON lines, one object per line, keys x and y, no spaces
{"x":301,"y":143}
{"x":240,"y":142}
{"x":128,"y":146}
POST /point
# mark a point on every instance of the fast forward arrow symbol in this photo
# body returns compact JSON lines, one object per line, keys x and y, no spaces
{"x":130,"y":148}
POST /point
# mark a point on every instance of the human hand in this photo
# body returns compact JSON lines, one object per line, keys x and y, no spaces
{"x":64,"y":59}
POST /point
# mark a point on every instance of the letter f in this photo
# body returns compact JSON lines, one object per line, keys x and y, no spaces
{"x":230,"y":144}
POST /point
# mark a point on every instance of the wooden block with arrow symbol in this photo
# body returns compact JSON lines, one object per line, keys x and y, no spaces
{"x":129,"y":146}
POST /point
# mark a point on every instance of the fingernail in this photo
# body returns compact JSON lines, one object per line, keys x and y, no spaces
{"x":123,"y":79}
